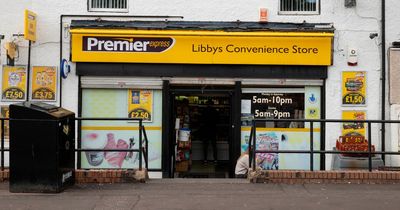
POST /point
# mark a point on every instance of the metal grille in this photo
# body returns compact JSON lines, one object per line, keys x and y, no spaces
{"x":299,"y":7}
{"x":96,"y":5}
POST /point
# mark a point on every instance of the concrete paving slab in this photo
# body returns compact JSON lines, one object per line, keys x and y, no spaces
{"x":208,"y":194}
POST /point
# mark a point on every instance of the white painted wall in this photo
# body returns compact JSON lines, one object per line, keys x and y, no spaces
{"x":353,"y":26}
{"x":393,"y":34}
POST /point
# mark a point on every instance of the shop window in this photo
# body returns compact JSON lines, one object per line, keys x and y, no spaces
{"x":281,"y":103}
{"x":120,"y":103}
{"x":299,"y":7}
{"x":108,"y":5}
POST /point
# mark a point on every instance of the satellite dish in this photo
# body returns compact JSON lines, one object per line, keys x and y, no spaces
{"x":65,"y":68}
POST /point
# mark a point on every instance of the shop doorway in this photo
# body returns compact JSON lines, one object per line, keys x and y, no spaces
{"x":202,"y":134}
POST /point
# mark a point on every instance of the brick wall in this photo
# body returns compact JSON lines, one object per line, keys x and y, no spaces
{"x":280,"y":176}
{"x":304,"y":177}
{"x":99,"y":176}
{"x":109,"y":176}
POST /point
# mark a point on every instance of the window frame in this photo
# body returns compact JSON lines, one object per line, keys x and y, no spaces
{"x":90,"y":9}
{"x":316,"y":12}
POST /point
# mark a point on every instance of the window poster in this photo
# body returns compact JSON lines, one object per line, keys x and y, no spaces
{"x":140,"y":104}
{"x":283,"y":139}
{"x":312,"y":103}
{"x":5,"y":114}
{"x":285,"y":103}
{"x":14,"y":83}
{"x":44,"y":83}
{"x":353,"y":128}
{"x":119,"y":134}
{"x":354,"y":87}
{"x":278,"y":105}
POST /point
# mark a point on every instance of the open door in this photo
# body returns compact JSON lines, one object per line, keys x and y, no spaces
{"x":201,"y":156}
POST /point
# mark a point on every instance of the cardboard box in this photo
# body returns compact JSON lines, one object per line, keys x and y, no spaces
{"x":182,"y":166}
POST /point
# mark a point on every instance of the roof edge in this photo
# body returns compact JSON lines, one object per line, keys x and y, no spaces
{"x":203,"y":25}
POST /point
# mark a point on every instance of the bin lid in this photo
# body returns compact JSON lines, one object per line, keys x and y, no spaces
{"x":37,"y":110}
{"x":44,"y":106}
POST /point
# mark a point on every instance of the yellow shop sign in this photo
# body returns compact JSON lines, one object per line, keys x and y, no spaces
{"x":30,"y":25}
{"x":201,"y":47}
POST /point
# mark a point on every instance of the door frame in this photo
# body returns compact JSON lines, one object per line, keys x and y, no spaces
{"x":169,"y":92}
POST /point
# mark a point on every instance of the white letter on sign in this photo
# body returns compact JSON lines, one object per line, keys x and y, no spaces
{"x":91,"y":43}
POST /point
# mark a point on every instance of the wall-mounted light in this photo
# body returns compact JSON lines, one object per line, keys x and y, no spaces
{"x":396,"y":44}
{"x":373,"y":35}
{"x":263,"y":15}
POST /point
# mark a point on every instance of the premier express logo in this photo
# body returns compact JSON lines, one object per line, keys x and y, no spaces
{"x":126,"y":44}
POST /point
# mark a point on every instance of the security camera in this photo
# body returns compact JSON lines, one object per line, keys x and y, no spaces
{"x":373,"y":35}
{"x":1,"y":37}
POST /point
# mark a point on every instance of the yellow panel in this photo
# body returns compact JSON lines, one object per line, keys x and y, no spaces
{"x":282,"y":129}
{"x":120,"y":128}
{"x":201,"y":47}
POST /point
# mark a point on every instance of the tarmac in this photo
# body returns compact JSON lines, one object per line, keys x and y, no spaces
{"x":218,"y":194}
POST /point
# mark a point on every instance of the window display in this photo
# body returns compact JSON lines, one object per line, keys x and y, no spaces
{"x":281,"y":103}
{"x":117,"y":134}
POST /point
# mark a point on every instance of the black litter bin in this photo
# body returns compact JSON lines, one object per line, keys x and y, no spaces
{"x":42,"y":157}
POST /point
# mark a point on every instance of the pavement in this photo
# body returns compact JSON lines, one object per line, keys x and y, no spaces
{"x":218,"y":194}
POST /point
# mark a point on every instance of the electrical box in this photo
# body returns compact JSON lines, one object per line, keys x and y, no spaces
{"x":352,"y":56}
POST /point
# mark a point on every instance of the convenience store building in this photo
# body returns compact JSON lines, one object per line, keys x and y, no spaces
{"x":145,"y":69}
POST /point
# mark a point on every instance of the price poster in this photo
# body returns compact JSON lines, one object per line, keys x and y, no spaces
{"x":140,"y":104}
{"x":44,"y":83}
{"x":354,"y":87}
{"x":353,"y":128}
{"x":14,"y":83}
{"x":5,"y":113}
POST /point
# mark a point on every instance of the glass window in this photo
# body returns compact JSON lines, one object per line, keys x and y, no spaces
{"x":281,"y":103}
{"x":299,"y":7}
{"x":120,"y":103}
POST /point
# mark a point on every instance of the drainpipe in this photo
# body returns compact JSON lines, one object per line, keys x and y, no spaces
{"x":383,"y":75}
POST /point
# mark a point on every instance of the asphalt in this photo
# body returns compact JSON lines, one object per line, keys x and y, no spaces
{"x":218,"y":194}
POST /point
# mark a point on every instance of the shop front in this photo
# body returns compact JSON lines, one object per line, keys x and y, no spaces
{"x":197,"y":86}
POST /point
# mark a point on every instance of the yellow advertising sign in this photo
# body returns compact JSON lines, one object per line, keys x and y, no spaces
{"x":201,"y":47}
{"x":354,"y":87}
{"x":44,"y":83}
{"x":140,"y":104}
{"x":13,"y":83}
{"x":353,"y":128}
{"x":30,"y":25}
